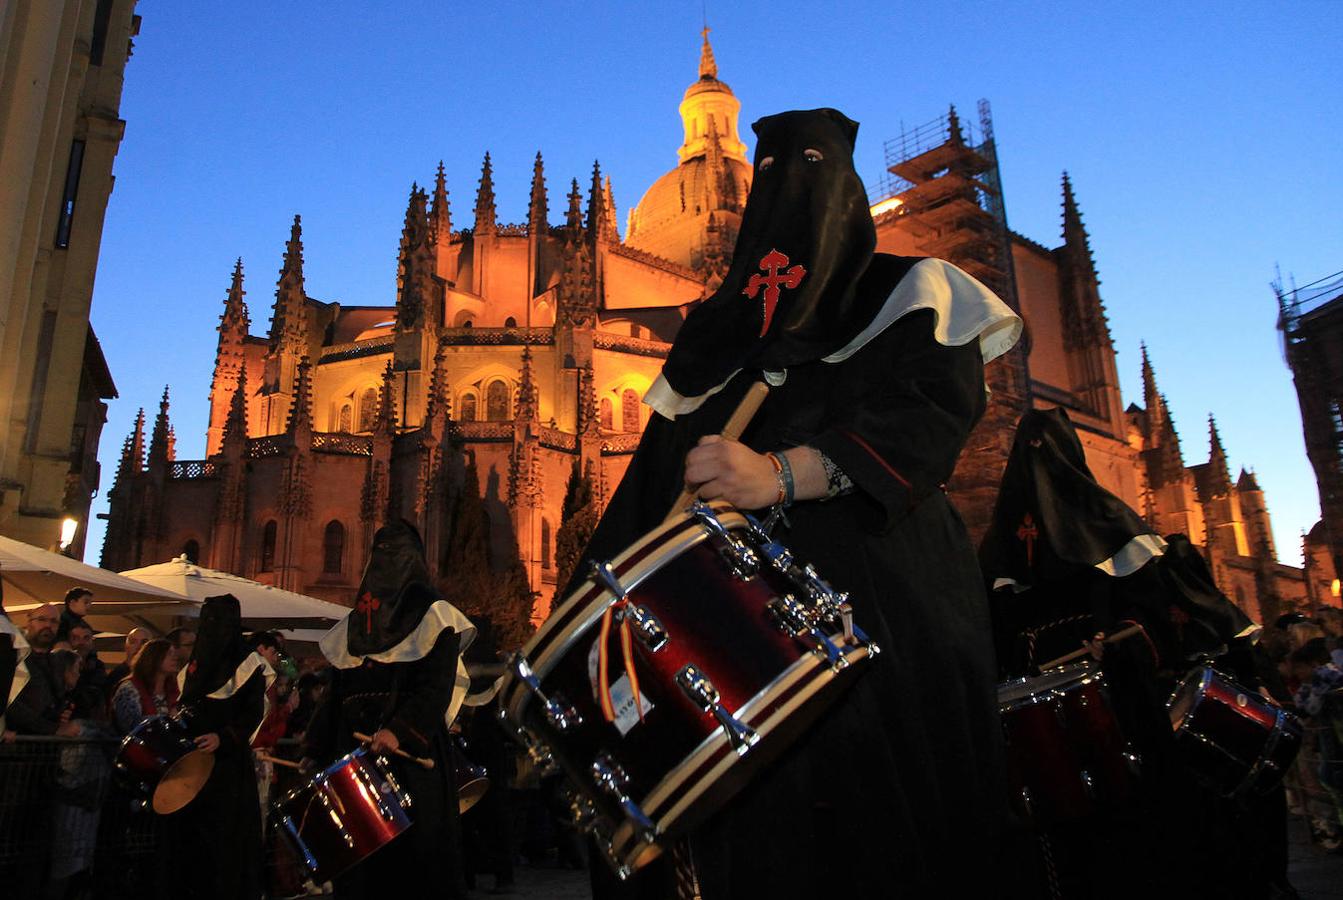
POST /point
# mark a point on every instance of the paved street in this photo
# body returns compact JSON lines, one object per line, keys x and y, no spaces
{"x":1317,"y":875}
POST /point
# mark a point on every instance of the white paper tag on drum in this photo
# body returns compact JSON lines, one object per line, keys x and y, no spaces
{"x":622,"y":701}
{"x":622,"y":698}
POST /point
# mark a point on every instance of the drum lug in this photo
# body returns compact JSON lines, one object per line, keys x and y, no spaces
{"x":611,"y":779}
{"x":789,"y":615}
{"x":701,"y":691}
{"x":741,"y":559}
{"x":561,"y":715}
{"x":647,"y":628}
{"x":537,"y":750}
{"x":582,"y":811}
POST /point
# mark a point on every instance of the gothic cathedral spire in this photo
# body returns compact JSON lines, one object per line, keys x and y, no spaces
{"x":440,"y":216}
{"x":289,"y":319}
{"x":537,"y":211}
{"x":485,"y":212}
{"x":417,"y":302}
{"x":230,"y":359}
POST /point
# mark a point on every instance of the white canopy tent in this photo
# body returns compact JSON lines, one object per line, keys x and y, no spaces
{"x":262,"y":606}
{"x":33,"y":576}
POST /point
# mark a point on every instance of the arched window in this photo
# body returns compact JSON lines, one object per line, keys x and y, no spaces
{"x":510,"y":322}
{"x":268,"y":547}
{"x":545,"y":543}
{"x":467,"y":413}
{"x":345,"y":421}
{"x":368,"y":409}
{"x":333,"y":548}
{"x":467,"y":324}
{"x":496,"y":402}
{"x":604,"y":416}
{"x":192,"y":550}
{"x":629,"y":410}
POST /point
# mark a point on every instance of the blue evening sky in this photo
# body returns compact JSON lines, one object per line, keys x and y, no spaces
{"x":1199,"y":137}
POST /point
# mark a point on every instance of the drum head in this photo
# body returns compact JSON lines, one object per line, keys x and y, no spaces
{"x":469,"y":794}
{"x":183,"y":781}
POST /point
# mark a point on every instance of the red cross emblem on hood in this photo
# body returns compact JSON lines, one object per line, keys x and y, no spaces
{"x":774,"y":280}
{"x":366,"y":605}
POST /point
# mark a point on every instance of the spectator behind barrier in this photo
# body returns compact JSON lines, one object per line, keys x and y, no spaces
{"x":150,"y":689}
{"x":39,"y":708}
{"x":77,"y":603}
{"x":135,"y":639}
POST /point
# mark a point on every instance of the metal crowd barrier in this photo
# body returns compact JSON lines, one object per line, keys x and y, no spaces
{"x":65,"y":820}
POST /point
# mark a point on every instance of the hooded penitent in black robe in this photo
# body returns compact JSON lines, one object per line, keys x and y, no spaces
{"x":215,"y":841}
{"x":1068,"y":559}
{"x":897,"y":790}
{"x":397,"y":667}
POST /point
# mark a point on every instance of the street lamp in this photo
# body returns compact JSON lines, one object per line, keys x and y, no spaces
{"x":68,"y":528}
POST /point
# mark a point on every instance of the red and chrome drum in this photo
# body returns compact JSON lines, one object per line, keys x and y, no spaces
{"x":720,"y":649}
{"x":1066,"y":755}
{"x":472,"y":780}
{"x":1233,"y":738}
{"x":159,"y":759}
{"x":343,"y":814}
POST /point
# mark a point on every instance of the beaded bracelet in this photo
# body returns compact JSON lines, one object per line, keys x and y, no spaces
{"x":778,"y":477}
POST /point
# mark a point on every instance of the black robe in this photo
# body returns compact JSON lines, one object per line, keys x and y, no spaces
{"x":409,"y":699}
{"x":215,"y":847}
{"x":898,"y":789}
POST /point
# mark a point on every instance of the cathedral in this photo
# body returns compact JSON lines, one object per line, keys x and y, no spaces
{"x":500,"y":396}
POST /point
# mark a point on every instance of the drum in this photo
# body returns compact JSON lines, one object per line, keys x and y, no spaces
{"x":709,"y":647}
{"x":347,"y":811}
{"x":1236,"y":740}
{"x":159,"y":761}
{"x":1067,"y":758}
{"x":472,"y":780}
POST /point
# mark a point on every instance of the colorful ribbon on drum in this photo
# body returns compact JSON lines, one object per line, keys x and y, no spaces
{"x":603,"y":660}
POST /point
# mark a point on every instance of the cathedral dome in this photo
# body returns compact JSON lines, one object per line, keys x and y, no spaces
{"x":693,"y":208}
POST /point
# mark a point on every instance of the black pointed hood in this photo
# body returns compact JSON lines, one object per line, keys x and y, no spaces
{"x":1205,"y":619}
{"x":220,"y":648}
{"x":1052,"y":519}
{"x":792,"y":294}
{"x":394,"y":594}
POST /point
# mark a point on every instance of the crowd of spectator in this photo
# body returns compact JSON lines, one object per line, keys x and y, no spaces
{"x":1308,"y":653}
{"x":90,"y":706}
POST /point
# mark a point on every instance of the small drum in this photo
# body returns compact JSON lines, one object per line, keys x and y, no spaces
{"x":1234,"y":739}
{"x":347,"y":811}
{"x":735,"y":648}
{"x":159,"y":760}
{"x":1067,"y":758}
{"x":472,"y":780}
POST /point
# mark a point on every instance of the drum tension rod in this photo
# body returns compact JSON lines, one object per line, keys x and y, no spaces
{"x":647,"y":627}
{"x":560,"y":715}
{"x":701,"y":691}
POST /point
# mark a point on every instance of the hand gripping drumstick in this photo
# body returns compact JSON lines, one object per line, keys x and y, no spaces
{"x":275,"y":760}
{"x":1117,"y":636}
{"x":741,"y":417}
{"x":418,"y":760}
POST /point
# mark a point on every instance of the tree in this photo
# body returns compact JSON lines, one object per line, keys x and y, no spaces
{"x":476,"y":583}
{"x":578,"y":520}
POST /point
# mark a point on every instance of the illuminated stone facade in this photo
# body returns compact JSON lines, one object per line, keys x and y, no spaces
{"x":60,"y":93}
{"x":526,"y":348}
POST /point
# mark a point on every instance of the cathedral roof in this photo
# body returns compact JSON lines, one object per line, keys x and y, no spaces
{"x":714,"y":174}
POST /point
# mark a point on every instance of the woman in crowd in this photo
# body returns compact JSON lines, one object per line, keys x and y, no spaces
{"x":150,"y":689}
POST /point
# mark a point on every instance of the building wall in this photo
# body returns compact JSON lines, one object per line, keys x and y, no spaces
{"x":60,"y":89}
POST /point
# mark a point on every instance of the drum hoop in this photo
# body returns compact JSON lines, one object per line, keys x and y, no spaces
{"x":726,"y":513}
{"x":717,"y":755}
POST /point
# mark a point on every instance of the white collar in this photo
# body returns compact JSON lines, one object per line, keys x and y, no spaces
{"x":245,"y":670}
{"x":414,"y":646}
{"x":964,"y":310}
{"x":20,"y":667}
{"x":1130,"y":558}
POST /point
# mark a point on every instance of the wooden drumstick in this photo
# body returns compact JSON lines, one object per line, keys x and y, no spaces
{"x":736,"y":424}
{"x":1069,"y":657}
{"x":276,"y":761}
{"x":418,"y":760}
